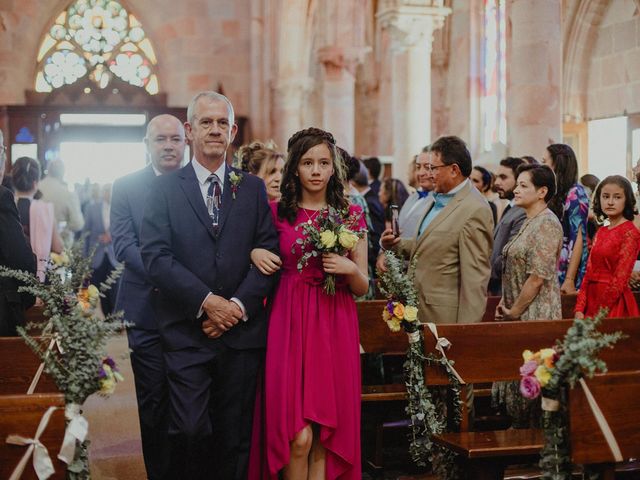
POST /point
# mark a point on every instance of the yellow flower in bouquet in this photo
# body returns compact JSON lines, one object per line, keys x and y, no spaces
{"x":398,"y":310}
{"x":527,"y":355}
{"x":88,"y":298}
{"x":328,"y":239}
{"x":386,"y":316}
{"x":347,"y":238}
{"x":410,"y":313}
{"x":543,"y":375}
{"x":394,"y":325}
{"x":60,"y":260}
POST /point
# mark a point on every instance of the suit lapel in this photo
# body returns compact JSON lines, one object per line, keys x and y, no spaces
{"x":227,"y":196}
{"x":191,"y":188}
{"x":446,"y":211}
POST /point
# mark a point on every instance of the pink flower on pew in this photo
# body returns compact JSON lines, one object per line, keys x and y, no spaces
{"x":528,"y":368}
{"x":529,"y":387}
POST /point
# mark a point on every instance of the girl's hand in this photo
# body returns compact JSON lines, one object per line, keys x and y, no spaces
{"x":499,"y":310}
{"x":267,"y":262}
{"x":337,"y":264}
{"x":568,"y":287}
{"x":579,"y":315}
{"x":634,"y":281}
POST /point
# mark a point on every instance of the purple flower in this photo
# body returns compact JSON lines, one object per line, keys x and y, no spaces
{"x":390,"y":307}
{"x":528,"y":368}
{"x":109,"y":361}
{"x":529,"y":387}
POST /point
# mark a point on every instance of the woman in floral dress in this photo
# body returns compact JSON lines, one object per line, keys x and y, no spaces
{"x":530,"y":289}
{"x":571,"y":206}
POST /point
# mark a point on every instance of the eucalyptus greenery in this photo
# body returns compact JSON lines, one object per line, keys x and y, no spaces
{"x":72,"y":341}
{"x":428,"y":409}
{"x":579,"y":352}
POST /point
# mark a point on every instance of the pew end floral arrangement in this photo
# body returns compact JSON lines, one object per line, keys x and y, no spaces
{"x":71,"y":343}
{"x":334,"y":231}
{"x":549,"y":371}
{"x":426,"y":409}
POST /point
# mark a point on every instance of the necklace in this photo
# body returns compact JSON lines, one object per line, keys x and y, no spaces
{"x":310,"y":218}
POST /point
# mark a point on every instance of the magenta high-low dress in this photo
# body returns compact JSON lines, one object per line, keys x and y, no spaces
{"x":312,"y":371}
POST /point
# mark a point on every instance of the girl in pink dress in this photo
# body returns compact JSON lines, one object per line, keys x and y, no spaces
{"x":307,"y":421}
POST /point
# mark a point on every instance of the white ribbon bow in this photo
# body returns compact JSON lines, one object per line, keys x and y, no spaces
{"x":55,"y":340}
{"x":42,"y":463}
{"x":441,"y":344}
{"x":77,"y":429}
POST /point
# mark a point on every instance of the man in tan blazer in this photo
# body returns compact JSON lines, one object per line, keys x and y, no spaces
{"x":453,"y":243}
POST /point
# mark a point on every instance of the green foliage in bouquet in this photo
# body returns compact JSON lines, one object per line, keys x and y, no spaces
{"x":426,"y":409}
{"x":72,"y":341}
{"x":577,"y":357}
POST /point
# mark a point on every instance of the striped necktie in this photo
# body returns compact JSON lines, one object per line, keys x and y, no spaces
{"x":214,"y":198}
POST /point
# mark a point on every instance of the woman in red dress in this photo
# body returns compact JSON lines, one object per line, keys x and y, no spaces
{"x":307,"y":421}
{"x":614,"y":252}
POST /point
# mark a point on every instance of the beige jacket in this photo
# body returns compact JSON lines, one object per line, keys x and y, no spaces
{"x":453,"y":266}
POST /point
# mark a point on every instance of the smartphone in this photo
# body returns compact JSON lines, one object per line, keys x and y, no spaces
{"x":395,"y":228}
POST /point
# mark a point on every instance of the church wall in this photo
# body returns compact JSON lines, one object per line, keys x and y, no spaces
{"x":199,"y":44}
{"x":614,"y":70}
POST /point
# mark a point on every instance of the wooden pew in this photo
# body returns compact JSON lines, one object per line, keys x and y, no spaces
{"x":488,"y":352}
{"x":618,"y":397}
{"x":18,"y":367}
{"x":21,"y":415}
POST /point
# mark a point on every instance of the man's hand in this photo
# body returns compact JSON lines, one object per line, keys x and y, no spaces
{"x":388,"y":240}
{"x":223,"y":313}
{"x":210,"y":329}
{"x":381,"y":263}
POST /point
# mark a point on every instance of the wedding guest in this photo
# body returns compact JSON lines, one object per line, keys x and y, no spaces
{"x":374,"y":169}
{"x":392,"y":192}
{"x":165,"y":143}
{"x":510,"y":222}
{"x":571,"y":206}
{"x":530,"y":288}
{"x":483,"y":181}
{"x":530,"y":160}
{"x":15,"y":253}
{"x":615,"y":249}
{"x":529,"y":284}
{"x":453,"y":242}
{"x":590,"y":182}
{"x":69,"y":219}
{"x":417,"y":204}
{"x":264,"y":161}
{"x":98,"y":241}
{"x":36,"y":216}
{"x":312,"y":378}
{"x":199,"y":227}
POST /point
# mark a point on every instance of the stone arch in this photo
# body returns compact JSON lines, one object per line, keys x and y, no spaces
{"x":580,"y":41}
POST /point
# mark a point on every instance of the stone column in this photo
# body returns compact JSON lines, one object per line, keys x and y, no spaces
{"x":288,"y":96}
{"x":338,"y":92}
{"x":534,"y":78}
{"x":411,"y":25}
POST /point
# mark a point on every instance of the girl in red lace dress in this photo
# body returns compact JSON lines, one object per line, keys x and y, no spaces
{"x":307,"y":420}
{"x":614,"y":252}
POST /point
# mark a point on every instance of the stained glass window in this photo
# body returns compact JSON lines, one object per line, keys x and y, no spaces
{"x":493,"y":104}
{"x":98,"y":38}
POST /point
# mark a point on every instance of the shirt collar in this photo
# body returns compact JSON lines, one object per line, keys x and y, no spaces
{"x":512,"y":202}
{"x":203,"y":173}
{"x":457,"y":188}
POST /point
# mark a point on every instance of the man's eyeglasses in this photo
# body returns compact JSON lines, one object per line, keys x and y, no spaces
{"x":433,"y":168}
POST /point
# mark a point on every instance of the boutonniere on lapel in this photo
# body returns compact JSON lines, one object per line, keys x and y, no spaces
{"x":235,"y":179}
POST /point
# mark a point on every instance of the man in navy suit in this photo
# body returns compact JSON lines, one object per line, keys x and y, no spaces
{"x":198,"y":229}
{"x":165,"y":143}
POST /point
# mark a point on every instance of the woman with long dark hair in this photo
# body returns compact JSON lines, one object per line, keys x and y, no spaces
{"x":36,"y":216}
{"x":614,"y":252}
{"x":392,"y":192}
{"x":311,"y":396}
{"x":571,"y":206}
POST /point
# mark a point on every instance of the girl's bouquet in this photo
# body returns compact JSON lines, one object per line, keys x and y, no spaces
{"x":335,"y":231}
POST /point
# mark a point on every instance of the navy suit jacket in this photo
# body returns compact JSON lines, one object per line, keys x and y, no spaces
{"x":127,"y":205}
{"x":94,"y":226}
{"x":186,"y":258}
